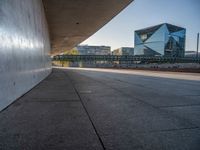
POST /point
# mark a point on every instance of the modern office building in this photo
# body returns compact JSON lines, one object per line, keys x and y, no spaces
{"x":192,"y":54}
{"x":123,"y":51}
{"x":160,"y":40}
{"x":93,"y":50}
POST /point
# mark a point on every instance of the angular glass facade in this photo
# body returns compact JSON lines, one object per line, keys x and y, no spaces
{"x":161,"y":40}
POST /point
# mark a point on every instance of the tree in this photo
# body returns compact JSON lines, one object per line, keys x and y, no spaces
{"x":72,"y":52}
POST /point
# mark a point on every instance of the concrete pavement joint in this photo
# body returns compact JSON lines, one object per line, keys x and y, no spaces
{"x":179,"y":106}
{"x":17,"y":100}
{"x":168,"y":130}
{"x":100,"y":140}
{"x":129,"y":83}
{"x":140,"y":100}
{"x":50,"y":101}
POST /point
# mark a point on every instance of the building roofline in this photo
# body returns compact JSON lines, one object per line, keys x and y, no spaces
{"x":148,"y":28}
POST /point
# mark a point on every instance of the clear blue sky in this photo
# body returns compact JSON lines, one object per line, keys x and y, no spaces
{"x":119,"y":32}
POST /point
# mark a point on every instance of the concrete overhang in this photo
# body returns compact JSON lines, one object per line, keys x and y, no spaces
{"x":73,"y":21}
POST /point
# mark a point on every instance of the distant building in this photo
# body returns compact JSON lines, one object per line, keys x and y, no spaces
{"x":192,"y":54}
{"x":160,"y":40}
{"x":93,"y":50}
{"x":123,"y":51}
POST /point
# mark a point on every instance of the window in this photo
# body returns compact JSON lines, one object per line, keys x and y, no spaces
{"x":143,"y":36}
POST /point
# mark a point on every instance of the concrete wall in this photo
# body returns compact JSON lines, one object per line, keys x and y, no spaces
{"x":24,"y":48}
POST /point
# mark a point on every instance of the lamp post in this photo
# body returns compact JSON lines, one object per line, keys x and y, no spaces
{"x":197,"y":46}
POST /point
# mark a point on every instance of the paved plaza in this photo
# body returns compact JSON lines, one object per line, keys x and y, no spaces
{"x":97,"y":109}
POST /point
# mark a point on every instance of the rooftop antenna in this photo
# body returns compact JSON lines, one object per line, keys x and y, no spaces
{"x":197,"y":46}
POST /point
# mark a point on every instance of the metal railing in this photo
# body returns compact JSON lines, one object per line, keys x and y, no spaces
{"x":124,"y":58}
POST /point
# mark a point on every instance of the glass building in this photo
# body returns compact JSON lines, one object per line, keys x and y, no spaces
{"x":160,"y":40}
{"x":93,"y":50}
{"x":123,"y":51}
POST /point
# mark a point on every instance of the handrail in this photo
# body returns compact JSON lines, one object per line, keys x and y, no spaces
{"x":124,"y":58}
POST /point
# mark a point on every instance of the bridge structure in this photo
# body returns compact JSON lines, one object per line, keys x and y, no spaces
{"x":31,"y":31}
{"x":45,"y":107}
{"x":124,"y":59}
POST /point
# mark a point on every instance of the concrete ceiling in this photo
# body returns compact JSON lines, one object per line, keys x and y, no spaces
{"x":73,"y":21}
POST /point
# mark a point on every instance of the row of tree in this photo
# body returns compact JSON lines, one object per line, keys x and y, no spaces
{"x":71,"y":52}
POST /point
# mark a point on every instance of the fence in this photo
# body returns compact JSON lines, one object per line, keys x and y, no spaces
{"x":123,"y":59}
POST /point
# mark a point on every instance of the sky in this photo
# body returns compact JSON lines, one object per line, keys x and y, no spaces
{"x":119,"y":32}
